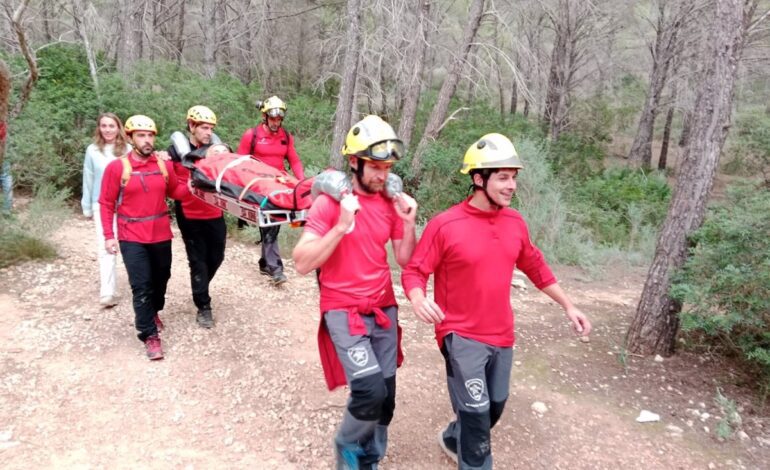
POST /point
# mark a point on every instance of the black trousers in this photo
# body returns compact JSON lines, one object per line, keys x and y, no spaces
{"x":149,"y":268}
{"x":204,"y":241}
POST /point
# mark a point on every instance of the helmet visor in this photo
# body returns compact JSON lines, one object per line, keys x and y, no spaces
{"x":275,"y":112}
{"x":385,"y":150}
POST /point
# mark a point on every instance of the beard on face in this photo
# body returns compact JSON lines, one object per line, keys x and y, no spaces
{"x":368,"y":188}
{"x":146,"y":150}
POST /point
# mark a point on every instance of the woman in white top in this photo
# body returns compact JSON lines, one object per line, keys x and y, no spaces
{"x":109,"y":144}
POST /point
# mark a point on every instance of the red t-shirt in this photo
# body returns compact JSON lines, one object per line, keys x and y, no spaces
{"x":472,"y":254}
{"x":272,"y":148}
{"x":358,"y":267}
{"x":192,"y":207}
{"x":143,"y":196}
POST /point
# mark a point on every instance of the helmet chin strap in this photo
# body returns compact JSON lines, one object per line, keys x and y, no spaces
{"x":492,"y":203}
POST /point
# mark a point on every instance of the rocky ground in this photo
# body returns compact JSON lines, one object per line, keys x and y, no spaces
{"x":76,"y":390}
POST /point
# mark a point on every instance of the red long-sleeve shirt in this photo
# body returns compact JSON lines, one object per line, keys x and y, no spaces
{"x":143,"y":197}
{"x":192,"y":207}
{"x":272,"y":148}
{"x":472,"y":254}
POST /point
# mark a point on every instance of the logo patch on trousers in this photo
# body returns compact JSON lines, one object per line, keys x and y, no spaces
{"x":358,"y":355}
{"x":475,"y":388}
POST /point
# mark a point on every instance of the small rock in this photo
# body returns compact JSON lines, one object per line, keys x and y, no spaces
{"x":539,"y":407}
{"x":647,"y":417}
{"x":743,"y":436}
{"x":658,"y":358}
{"x":585,"y":339}
{"x":674,"y":429}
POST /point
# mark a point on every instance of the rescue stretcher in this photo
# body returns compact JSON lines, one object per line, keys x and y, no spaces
{"x":244,"y":186}
{"x":253,"y":191}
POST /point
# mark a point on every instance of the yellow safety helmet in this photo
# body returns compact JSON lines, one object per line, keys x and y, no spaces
{"x":272,"y":106}
{"x":373,"y":139}
{"x":140,"y":122}
{"x":202,"y":114}
{"x":491,"y":151}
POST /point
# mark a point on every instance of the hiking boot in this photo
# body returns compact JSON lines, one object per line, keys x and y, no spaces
{"x":263,"y":269}
{"x":347,"y":456}
{"x":278,"y":278}
{"x":205,"y":318}
{"x":154,"y":350}
{"x":158,"y":323}
{"x":449,"y":450}
{"x":108,"y":301}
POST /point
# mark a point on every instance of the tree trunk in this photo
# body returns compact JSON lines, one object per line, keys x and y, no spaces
{"x":180,"y":34}
{"x":514,"y":96}
{"x":555,"y":96}
{"x":663,"y":158}
{"x":437,"y":116}
{"x":78,"y":15}
{"x":29,"y":56}
{"x":342,"y":117}
{"x":412,"y":97}
{"x":684,"y":137}
{"x":667,"y":30}
{"x":208,"y":27}
{"x":125,"y":51}
{"x":300,"y":57}
{"x":48,"y":16}
{"x":656,"y":323}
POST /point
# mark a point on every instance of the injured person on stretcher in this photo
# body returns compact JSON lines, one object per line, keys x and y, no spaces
{"x":245,"y":187}
{"x":242,"y":185}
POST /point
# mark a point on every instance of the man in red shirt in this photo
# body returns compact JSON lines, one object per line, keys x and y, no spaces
{"x":202,"y":225}
{"x":135,"y":187}
{"x":358,"y":335}
{"x":270,"y":143}
{"x":472,"y":249}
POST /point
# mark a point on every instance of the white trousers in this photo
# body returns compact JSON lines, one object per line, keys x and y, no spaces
{"x":107,"y":261}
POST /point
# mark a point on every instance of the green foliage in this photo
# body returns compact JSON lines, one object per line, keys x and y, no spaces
{"x":46,"y":142}
{"x":572,"y":157}
{"x":562,"y":192}
{"x":592,"y":119}
{"x":25,"y":237}
{"x":749,"y":145}
{"x":628,"y":98}
{"x":731,"y":419}
{"x":541,"y":200}
{"x":725,"y":284}
{"x":622,"y":204}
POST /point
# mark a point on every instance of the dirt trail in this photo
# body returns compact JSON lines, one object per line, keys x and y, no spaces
{"x":76,"y":390}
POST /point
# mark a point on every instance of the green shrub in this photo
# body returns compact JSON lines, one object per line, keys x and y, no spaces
{"x":621,"y":205}
{"x":574,"y":158}
{"x":725,"y":283}
{"x":749,"y":145}
{"x":25,"y":236}
{"x":47,"y":141}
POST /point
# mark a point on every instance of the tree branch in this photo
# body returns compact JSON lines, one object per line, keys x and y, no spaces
{"x":29,"y":56}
